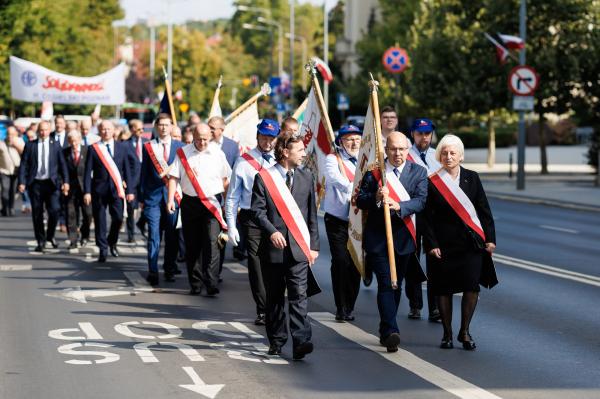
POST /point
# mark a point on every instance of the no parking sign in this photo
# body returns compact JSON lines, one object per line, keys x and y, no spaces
{"x":395,"y":60}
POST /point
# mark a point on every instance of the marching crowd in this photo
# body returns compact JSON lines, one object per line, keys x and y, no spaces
{"x":195,"y":193}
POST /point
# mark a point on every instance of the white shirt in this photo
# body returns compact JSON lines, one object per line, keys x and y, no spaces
{"x":46,"y":161}
{"x":390,"y":168}
{"x":209,"y":166}
{"x":217,"y":143}
{"x":110,"y":143}
{"x":338,"y":189}
{"x":60,"y":137}
{"x":166,"y":142}
{"x":284,"y":172}
{"x":239,"y":194}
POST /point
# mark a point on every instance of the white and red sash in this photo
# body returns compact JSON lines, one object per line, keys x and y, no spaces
{"x":252,"y":161}
{"x":398,"y":193}
{"x":432,"y":165}
{"x":458,"y":200}
{"x":210,"y":203}
{"x":287,"y":207}
{"x":347,"y":171}
{"x":111,"y":167}
{"x":160,"y":165}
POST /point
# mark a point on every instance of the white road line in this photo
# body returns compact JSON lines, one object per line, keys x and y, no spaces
{"x":561,"y":229}
{"x":235,"y":267}
{"x":139,"y":282}
{"x":407,"y":360}
{"x":13,"y":268}
{"x":549,"y":270}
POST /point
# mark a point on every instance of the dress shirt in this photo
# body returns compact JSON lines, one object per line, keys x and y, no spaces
{"x":283,"y":172}
{"x":111,"y":149}
{"x":239,"y":194}
{"x":390,"y":168}
{"x":78,"y":153}
{"x":61,"y":137}
{"x":217,"y":143}
{"x":46,"y":162}
{"x":338,"y":188}
{"x":166,"y":142}
{"x":209,"y":166}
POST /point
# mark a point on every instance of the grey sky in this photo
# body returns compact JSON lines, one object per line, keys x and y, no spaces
{"x":182,"y":10}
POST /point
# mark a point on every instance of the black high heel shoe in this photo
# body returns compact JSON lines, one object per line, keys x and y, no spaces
{"x":466,"y":340}
{"x":447,"y":342}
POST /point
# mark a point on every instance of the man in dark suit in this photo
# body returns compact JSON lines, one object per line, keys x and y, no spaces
{"x":101,"y":187}
{"x":288,"y":256}
{"x":43,"y":171}
{"x":136,"y":144}
{"x":60,"y":131}
{"x":370,"y":197}
{"x":75,"y":155}
{"x":154,"y":197}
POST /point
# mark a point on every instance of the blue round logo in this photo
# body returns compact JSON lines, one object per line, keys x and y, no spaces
{"x":28,"y":78}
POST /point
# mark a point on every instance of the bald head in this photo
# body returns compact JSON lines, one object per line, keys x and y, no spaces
{"x":202,"y":136}
{"x":396,"y":148}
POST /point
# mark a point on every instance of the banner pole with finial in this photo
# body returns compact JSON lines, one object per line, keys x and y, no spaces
{"x":170,"y":97}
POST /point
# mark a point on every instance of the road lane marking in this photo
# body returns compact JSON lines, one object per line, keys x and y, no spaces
{"x":549,"y":270}
{"x":15,"y":268}
{"x":139,"y":282}
{"x":405,"y":359}
{"x":78,"y":295}
{"x":561,"y":229}
{"x":235,"y":267}
{"x":199,"y":386}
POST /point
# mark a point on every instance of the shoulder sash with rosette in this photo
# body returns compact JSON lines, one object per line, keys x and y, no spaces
{"x":211,"y":203}
{"x":160,"y":165}
{"x":111,"y":167}
{"x":398,"y":193}
{"x":287,"y":207}
{"x":458,"y":201}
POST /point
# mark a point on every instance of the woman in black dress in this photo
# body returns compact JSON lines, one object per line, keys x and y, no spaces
{"x":458,"y":243}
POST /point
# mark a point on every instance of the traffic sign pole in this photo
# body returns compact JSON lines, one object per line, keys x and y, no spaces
{"x":521,"y":139}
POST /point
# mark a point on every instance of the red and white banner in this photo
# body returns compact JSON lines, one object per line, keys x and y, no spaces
{"x":242,"y":128}
{"x":160,"y":165}
{"x":458,"y":200}
{"x":432,"y":165}
{"x":34,"y":83}
{"x":210,"y":203}
{"x":512,"y":42}
{"x":111,"y":167}
{"x":287,"y":207}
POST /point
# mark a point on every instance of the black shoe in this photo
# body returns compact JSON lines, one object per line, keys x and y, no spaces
{"x":414,"y":314}
{"x":73,"y":245}
{"x":102,"y":257}
{"x":114,"y":251}
{"x":368,"y":279}
{"x":212,"y":291}
{"x":180,"y":259}
{"x":447,"y":342}
{"x":274,"y":350}
{"x":169,"y":278}
{"x":302,"y":350}
{"x":435,"y":316}
{"x":142,"y":229}
{"x":195,"y":291}
{"x":466,"y":340}
{"x":391,"y":342}
{"x":152,"y":279}
{"x":39,"y":248}
{"x":83,"y":242}
{"x":348,"y":316}
{"x":339,"y":316}
{"x":53,"y":242}
{"x":260,"y":320}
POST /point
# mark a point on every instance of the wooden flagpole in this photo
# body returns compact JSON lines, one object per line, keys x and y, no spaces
{"x":373,"y":84}
{"x":170,"y":97}
{"x":265,"y":90}
{"x":217,"y":92}
{"x":300,"y":109}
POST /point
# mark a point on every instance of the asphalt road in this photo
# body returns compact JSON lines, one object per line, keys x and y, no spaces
{"x":71,"y":328}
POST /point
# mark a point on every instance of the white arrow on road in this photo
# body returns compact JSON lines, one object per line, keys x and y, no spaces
{"x":79,"y":295}
{"x":199,"y":386}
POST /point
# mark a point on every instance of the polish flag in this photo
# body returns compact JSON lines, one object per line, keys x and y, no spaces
{"x":323,"y":69}
{"x":512,"y":42}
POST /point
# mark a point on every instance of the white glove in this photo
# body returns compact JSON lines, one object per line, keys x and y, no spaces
{"x":234,"y":236}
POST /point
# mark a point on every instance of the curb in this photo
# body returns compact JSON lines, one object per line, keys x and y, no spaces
{"x":542,"y":201}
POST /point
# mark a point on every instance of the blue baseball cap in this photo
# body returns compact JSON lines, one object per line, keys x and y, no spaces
{"x":268,"y":127}
{"x":422,"y":125}
{"x":345,"y":130}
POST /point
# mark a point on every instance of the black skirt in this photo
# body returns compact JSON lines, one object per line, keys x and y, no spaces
{"x":458,"y":272}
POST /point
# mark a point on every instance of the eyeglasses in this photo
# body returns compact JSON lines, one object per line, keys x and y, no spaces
{"x":213,"y":128}
{"x":397,"y":149}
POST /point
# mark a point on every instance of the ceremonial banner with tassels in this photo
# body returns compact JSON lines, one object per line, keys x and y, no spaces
{"x":241,"y":123}
{"x":215,"y":108}
{"x":166,"y":104}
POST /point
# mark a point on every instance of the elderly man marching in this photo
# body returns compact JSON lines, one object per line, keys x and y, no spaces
{"x":405,"y":193}
{"x":203,"y":173}
{"x":422,"y":154}
{"x":240,"y":196}
{"x":157,"y":155}
{"x":339,"y":177}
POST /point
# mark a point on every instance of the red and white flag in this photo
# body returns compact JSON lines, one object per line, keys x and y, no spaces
{"x":323,"y":69}
{"x":512,"y":42}
{"x":501,"y":52}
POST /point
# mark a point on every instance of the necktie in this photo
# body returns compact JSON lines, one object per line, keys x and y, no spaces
{"x":288,"y":179}
{"x":109,"y":151}
{"x":397,"y":173}
{"x":267,"y":157}
{"x":353,"y":160}
{"x":165,"y":156}
{"x":43,"y":167}
{"x":423,"y":158}
{"x":138,"y":149}
{"x":85,"y":140}
{"x":76,"y":156}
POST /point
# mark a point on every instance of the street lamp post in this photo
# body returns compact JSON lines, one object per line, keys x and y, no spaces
{"x":244,"y":7}
{"x":280,"y":42}
{"x":262,"y":28}
{"x":302,"y":41}
{"x":292,"y":33}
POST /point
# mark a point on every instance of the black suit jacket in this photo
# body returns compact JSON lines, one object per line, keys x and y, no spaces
{"x":65,"y":143}
{"x":444,"y":229}
{"x":267,"y":218}
{"x":101,"y":183}
{"x":57,"y":167}
{"x":76,"y":172}
{"x":414,"y":180}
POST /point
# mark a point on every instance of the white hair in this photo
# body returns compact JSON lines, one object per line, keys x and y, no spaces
{"x":450,"y":140}
{"x":74,"y":134}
